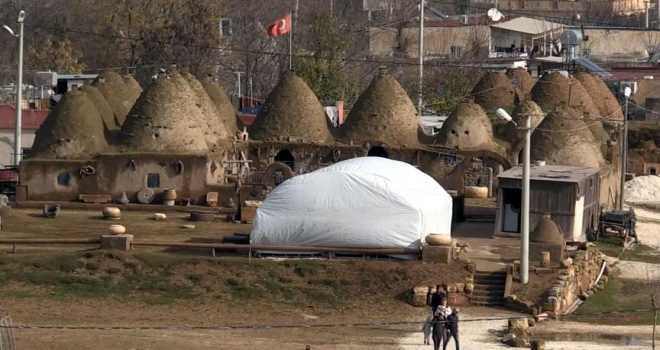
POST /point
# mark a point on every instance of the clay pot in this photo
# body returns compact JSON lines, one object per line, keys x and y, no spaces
{"x":438,"y":239}
{"x":111,"y":213}
{"x":169,"y":194}
{"x":476,"y":192}
{"x":203,"y":216}
{"x":116,"y":229}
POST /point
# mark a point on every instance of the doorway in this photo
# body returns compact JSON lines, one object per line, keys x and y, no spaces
{"x":511,"y":203}
{"x":284,"y":156}
{"x":378,"y":151}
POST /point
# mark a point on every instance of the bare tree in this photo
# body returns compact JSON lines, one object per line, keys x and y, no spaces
{"x":651,"y":42}
{"x":653,"y":289}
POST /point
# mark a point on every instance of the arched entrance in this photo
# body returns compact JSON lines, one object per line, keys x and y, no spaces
{"x":284,"y":156}
{"x":378,"y":151}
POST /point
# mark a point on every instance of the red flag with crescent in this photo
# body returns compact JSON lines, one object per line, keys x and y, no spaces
{"x":281,"y":26}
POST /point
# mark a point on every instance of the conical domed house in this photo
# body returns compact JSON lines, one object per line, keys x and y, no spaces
{"x":524,"y":108}
{"x":109,"y":121}
{"x":601,"y":95}
{"x":166,"y":118}
{"x":494,"y":91}
{"x":225,"y":109}
{"x":554,"y":90}
{"x":292,"y":110}
{"x":73,"y":130}
{"x":383,"y":113}
{"x":521,"y":79}
{"x":115,"y":96}
{"x":133,"y":87}
{"x":562,"y":139}
{"x":216,"y":129}
{"x":468,"y":128}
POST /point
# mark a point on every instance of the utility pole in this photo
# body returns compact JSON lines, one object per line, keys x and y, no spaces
{"x":524,"y":235}
{"x":646,"y":14}
{"x":624,"y":149}
{"x":420,"y":96}
{"x":18,"y":149}
{"x":657,"y":9}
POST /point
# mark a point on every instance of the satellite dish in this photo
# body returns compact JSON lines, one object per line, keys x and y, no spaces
{"x":495,"y":15}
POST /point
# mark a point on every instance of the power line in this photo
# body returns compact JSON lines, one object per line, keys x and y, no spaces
{"x":535,"y":15}
{"x":304,"y":325}
{"x":465,"y":63}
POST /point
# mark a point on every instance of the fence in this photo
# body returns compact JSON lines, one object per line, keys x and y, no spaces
{"x":6,"y":334}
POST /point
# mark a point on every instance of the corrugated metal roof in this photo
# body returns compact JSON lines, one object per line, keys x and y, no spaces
{"x":528,"y":25}
{"x":555,"y":173}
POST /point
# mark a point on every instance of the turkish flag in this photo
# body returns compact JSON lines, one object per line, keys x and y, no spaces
{"x":281,"y":27}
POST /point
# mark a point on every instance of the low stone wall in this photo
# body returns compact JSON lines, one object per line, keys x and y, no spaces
{"x":457,"y":293}
{"x":576,"y":280}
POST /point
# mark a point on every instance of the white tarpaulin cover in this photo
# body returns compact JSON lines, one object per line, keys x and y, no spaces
{"x":367,"y":202}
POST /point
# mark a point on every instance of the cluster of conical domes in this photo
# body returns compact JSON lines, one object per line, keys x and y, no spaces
{"x":175,"y":113}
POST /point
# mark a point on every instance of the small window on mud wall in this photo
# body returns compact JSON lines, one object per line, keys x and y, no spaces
{"x":64,"y":179}
{"x":653,"y":171}
{"x":153,"y":180}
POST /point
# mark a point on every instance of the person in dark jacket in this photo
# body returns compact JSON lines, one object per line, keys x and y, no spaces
{"x":451,"y":326}
{"x":438,"y":330}
{"x":436,"y":298}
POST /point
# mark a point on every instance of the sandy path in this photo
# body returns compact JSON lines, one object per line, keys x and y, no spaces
{"x":483,"y":335}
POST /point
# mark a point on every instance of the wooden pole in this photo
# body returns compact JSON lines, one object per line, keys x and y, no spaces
{"x":391,"y":251}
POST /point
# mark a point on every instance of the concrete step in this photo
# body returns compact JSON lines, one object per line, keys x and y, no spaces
{"x":486,"y":299}
{"x":490,"y":287}
{"x":483,"y":303}
{"x":488,"y":293}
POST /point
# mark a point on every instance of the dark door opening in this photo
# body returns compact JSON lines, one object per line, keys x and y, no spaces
{"x":378,"y":151}
{"x":520,"y":157}
{"x":511,"y":203}
{"x":653,"y":171}
{"x":286,"y":157}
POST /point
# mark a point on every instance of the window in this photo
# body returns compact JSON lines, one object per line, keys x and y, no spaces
{"x":26,"y":152}
{"x":153,"y":180}
{"x":456,"y":52}
{"x":225,"y":26}
{"x":522,"y":4}
{"x":63,"y":179}
{"x":555,"y":4}
{"x":586,"y":53}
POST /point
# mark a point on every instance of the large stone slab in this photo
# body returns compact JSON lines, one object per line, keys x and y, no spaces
{"x":117,"y":242}
{"x":438,"y":254}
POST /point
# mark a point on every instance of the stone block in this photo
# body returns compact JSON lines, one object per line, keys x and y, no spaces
{"x":248,"y":214}
{"x":117,"y":242}
{"x":95,"y":198}
{"x":556,"y":251}
{"x":538,"y":345}
{"x":437,"y":254}
{"x":545,"y":259}
{"x":419,"y":296}
{"x":604,"y":278}
{"x":469,"y":288}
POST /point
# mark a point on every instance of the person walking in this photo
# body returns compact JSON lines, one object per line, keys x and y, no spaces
{"x":427,"y":329}
{"x":436,"y":298}
{"x":438,"y":331}
{"x":452,"y":329}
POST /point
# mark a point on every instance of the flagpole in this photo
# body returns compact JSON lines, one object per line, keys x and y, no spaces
{"x":291,"y":47}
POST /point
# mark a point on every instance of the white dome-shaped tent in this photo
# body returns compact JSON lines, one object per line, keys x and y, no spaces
{"x":367,"y":202}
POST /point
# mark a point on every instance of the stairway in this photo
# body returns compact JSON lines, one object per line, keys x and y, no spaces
{"x":488,"y":288}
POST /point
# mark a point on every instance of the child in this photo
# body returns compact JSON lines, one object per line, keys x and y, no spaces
{"x":427,"y":328}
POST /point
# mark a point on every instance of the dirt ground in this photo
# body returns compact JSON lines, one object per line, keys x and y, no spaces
{"x":29,"y":223}
{"x":166,"y":290}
